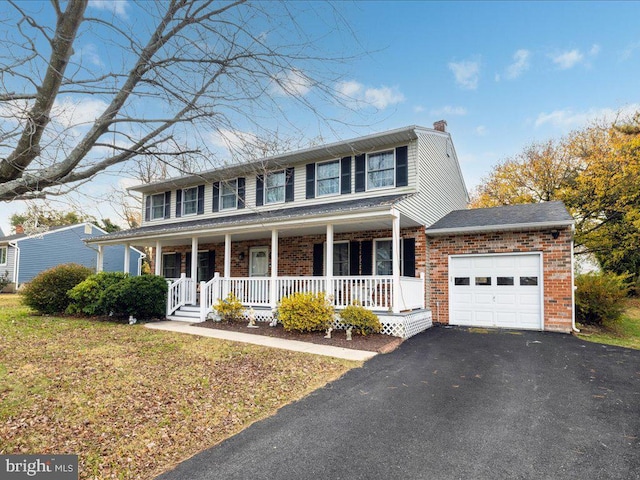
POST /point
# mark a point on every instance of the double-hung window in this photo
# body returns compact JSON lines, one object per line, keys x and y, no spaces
{"x":381,"y":170}
{"x":328,"y":178}
{"x":170,"y":265}
{"x":384,"y":257}
{"x":190,"y":201}
{"x":229,"y":194}
{"x":341,"y":259}
{"x":157,"y":206}
{"x":3,"y":255}
{"x":274,"y":187}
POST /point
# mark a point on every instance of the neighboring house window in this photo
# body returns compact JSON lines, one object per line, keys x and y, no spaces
{"x":190,"y":201}
{"x":157,"y":206}
{"x":3,"y":255}
{"x":380,"y":170}
{"x":341,"y":259}
{"x":229,"y":194}
{"x":383,"y":257}
{"x":328,"y":178}
{"x":274,"y":187}
{"x":171,"y":265}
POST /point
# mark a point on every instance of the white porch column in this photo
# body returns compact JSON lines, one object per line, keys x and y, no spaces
{"x":395,"y":246}
{"x":194,"y":269}
{"x":227,"y":255}
{"x":127,"y":258}
{"x":100,"y":264}
{"x":329,"y":261}
{"x":158,"y":262}
{"x":273,"y":294}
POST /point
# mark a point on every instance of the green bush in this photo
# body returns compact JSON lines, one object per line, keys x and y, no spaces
{"x":229,"y":309}
{"x":362,"y":320}
{"x":47,"y":292}
{"x":143,"y":297}
{"x":600,"y":297}
{"x":4,"y":280}
{"x":88,"y":296}
{"x":305,"y":312}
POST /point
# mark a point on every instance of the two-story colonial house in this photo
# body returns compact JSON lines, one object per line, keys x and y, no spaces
{"x":346,"y":218}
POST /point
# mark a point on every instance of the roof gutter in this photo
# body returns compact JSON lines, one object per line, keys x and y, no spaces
{"x":492,"y":228}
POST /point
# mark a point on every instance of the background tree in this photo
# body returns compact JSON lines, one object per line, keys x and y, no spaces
{"x":43,"y":217}
{"x":171,"y":75}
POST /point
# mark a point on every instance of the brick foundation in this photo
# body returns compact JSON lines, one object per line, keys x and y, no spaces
{"x":558,"y":306}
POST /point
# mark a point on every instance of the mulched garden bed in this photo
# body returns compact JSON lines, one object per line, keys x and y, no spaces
{"x":373,"y":343}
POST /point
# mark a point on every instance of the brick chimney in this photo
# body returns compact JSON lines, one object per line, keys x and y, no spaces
{"x":19,"y":229}
{"x":440,"y":125}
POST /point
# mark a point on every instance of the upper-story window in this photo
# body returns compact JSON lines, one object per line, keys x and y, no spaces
{"x":380,"y":170}
{"x":190,"y":201}
{"x":3,"y":255}
{"x":274,"y":187}
{"x":157,"y":206}
{"x":328,"y":178}
{"x":229,"y":194}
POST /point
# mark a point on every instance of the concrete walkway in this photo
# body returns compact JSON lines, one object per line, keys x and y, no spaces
{"x":273,"y":342}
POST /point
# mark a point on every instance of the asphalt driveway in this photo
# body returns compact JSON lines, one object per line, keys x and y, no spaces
{"x":453,"y":404}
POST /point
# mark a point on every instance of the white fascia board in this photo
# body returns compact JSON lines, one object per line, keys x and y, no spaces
{"x":498,"y":228}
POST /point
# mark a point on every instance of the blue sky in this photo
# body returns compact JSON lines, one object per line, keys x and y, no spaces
{"x":503,"y":74}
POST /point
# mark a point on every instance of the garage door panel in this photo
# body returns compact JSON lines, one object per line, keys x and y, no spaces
{"x":483,"y":299}
{"x":506,"y":299}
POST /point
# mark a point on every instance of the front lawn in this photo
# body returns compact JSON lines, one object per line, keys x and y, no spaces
{"x":134,"y":402}
{"x":624,"y":333}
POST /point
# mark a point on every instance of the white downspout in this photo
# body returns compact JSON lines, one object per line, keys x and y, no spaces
{"x":573,"y":288}
{"x":16,"y":264}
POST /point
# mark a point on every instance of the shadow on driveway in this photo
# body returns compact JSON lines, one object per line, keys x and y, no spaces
{"x":453,"y":404}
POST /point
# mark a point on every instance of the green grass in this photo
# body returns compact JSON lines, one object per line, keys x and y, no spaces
{"x":133,"y":402}
{"x":624,"y":333}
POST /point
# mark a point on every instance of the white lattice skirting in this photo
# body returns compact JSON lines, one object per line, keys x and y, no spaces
{"x":403,"y":325}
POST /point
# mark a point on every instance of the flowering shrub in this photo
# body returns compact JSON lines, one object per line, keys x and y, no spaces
{"x":305,"y":312}
{"x":229,"y":309}
{"x":362,"y":320}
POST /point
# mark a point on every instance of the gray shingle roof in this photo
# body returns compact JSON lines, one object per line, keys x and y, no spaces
{"x":20,"y":236}
{"x":254,"y":217}
{"x":511,"y":217}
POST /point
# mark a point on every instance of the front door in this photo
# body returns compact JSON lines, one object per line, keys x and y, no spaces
{"x":259,"y":262}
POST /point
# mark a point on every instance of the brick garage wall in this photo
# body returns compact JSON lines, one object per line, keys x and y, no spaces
{"x":556,"y":256}
{"x":295,"y":254}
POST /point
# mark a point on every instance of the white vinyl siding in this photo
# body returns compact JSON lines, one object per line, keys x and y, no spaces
{"x":157,"y":206}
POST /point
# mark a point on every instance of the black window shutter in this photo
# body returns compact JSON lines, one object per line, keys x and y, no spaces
{"x":409,"y":257}
{"x":188,"y":263}
{"x":354,"y":258}
{"x":259,"y":190}
{"x":288,"y":186}
{"x":345,"y":175}
{"x":366,"y":257}
{"x":241,"y":192}
{"x":200,"y":199}
{"x":318,"y":257}
{"x":361,"y":183}
{"x":147,"y":208}
{"x":216,"y":196}
{"x":402,"y":166}
{"x":311,"y":180}
{"x":167,"y":204}
{"x":211,"y":264}
{"x":178,"y":203}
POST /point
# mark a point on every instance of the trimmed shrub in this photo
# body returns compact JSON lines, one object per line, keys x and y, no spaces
{"x":305,"y":312}
{"x":600,"y":297}
{"x":362,"y":320}
{"x":47,"y":292}
{"x":143,"y":297}
{"x":229,"y":309}
{"x":88,"y":296}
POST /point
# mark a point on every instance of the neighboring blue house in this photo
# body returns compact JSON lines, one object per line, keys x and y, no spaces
{"x":24,"y":256}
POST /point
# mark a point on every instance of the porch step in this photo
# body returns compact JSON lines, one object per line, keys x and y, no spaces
{"x":186,"y":313}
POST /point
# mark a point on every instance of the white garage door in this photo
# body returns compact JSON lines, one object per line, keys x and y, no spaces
{"x":496,"y":291}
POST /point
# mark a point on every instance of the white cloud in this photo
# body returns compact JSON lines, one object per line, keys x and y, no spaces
{"x":361,"y":96}
{"x":449,"y":110}
{"x":231,"y":139}
{"x":568,"y":59}
{"x":568,"y":119}
{"x":481,"y":130}
{"x":418,"y":109}
{"x":595,"y":50}
{"x":629,"y":50}
{"x":90,"y":53}
{"x":466,"y":73}
{"x":117,"y":7}
{"x":74,"y":113}
{"x":294,"y":83}
{"x":520,"y":64}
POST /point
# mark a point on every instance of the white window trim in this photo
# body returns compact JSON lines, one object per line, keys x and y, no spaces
{"x":161,"y":217}
{"x":366,"y":172}
{"x":182,"y":203}
{"x":318,"y":194}
{"x":284,"y":187}
{"x":220,"y":202}
{"x":375,"y":251}
{"x":6,"y":255}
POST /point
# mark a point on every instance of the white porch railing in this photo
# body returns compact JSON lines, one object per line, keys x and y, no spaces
{"x":412,"y":291}
{"x":181,"y":292}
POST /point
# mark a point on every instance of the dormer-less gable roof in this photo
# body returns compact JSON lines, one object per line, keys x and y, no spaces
{"x":510,"y":217}
{"x":337,"y":149}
